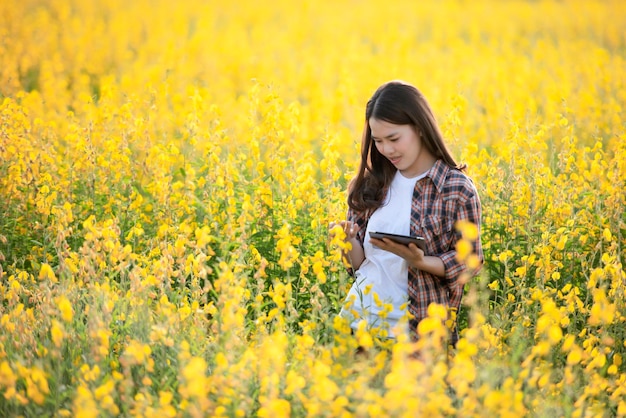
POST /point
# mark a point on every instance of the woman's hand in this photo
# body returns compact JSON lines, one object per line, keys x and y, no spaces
{"x":411,"y":253}
{"x":349,"y":228}
{"x":353,"y":252}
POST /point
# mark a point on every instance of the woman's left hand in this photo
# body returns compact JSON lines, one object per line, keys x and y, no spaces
{"x":411,"y":253}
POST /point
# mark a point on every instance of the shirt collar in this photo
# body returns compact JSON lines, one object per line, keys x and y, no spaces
{"x":438,"y":173}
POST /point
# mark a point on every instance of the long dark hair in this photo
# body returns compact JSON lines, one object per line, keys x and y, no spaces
{"x":398,"y":103}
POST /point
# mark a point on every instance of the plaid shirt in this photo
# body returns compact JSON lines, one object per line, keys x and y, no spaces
{"x":440,"y":199}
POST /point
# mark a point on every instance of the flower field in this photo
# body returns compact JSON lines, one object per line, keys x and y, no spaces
{"x":168,"y":172}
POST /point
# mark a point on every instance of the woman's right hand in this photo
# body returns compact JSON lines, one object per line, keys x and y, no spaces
{"x":349,"y":228}
{"x":351,"y":247}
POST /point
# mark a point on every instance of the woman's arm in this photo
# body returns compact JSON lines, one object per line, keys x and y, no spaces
{"x":428,"y":263}
{"x":355,"y":255}
{"x":469,"y":211}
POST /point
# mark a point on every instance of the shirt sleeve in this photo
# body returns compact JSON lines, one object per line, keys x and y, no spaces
{"x":468,"y":209}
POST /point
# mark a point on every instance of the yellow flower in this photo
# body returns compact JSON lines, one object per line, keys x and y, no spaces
{"x":195,"y":385}
{"x":602,"y":311}
{"x":137,"y":352}
{"x":364,"y":338}
{"x":294,"y":382}
{"x":65,"y":307}
{"x":56,"y":332}
{"x":574,"y":356}
{"x":561,"y":243}
{"x":555,"y":334}
{"x":463,"y":249}
{"x":37,"y":385}
{"x":275,"y":408}
{"x":165,"y":404}
{"x":428,"y":325}
{"x":7,"y":377}
{"x":84,"y":406}
{"x":468,"y":229}
{"x":46,"y":272}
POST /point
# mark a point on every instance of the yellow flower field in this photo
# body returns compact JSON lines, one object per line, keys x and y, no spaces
{"x":168,"y":171}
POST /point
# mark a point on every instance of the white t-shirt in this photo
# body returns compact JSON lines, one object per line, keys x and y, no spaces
{"x":385,"y":272}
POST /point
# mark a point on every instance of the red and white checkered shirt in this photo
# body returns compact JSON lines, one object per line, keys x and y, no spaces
{"x":440,"y":199}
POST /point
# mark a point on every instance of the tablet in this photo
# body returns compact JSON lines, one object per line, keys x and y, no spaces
{"x":402,"y":239}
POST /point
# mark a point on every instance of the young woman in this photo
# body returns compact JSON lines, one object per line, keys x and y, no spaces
{"x":407,"y":184}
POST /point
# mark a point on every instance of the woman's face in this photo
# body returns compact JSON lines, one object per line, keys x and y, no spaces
{"x":401,"y":145}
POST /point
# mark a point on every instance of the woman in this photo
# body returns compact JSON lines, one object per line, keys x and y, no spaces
{"x":407,"y":184}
